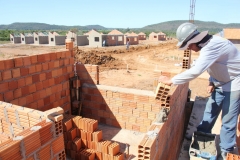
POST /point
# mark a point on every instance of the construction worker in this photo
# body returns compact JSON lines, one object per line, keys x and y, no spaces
{"x":128,"y":43}
{"x":221,"y":59}
{"x":103,"y":44}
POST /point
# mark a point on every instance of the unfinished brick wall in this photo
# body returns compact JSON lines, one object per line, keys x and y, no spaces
{"x":38,"y":81}
{"x":120,"y":107}
{"x":164,"y":144}
{"x":88,"y":73}
{"x":42,"y":139}
{"x":137,"y":110}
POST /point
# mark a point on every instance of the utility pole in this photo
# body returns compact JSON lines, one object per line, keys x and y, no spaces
{"x":192,"y":11}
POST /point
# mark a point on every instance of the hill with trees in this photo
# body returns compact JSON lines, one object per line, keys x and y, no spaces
{"x":44,"y":26}
{"x":168,"y":27}
{"x":171,"y":26}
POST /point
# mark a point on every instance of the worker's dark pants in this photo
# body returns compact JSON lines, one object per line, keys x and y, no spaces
{"x":229,"y":103}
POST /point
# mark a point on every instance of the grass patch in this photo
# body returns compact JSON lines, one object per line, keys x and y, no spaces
{"x":2,"y":55}
{"x":4,"y":42}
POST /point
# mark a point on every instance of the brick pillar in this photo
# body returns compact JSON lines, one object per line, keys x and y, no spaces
{"x":69,"y":44}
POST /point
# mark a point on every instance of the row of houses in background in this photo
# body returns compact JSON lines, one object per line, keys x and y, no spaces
{"x":96,"y":39}
{"x":91,"y":38}
{"x":50,"y":38}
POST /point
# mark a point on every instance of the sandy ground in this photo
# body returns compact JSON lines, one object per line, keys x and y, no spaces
{"x":135,"y":68}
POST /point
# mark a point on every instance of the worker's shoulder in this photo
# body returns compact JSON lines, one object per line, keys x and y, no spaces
{"x":218,"y":38}
{"x":217,"y":42}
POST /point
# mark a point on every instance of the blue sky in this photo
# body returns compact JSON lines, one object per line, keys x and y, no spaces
{"x":118,"y":13}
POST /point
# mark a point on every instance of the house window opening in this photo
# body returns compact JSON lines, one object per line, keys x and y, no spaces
{"x":120,"y":38}
{"x":96,"y":39}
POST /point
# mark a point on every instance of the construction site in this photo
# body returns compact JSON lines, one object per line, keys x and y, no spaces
{"x":97,"y":103}
{"x":70,"y":102}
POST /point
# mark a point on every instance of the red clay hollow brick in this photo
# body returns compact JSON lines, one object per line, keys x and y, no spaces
{"x":26,"y":61}
{"x":32,"y":69}
{"x":33,"y":59}
{"x":38,"y":68}
{"x":67,"y":125}
{"x":2,"y":67}
{"x":6,"y":75}
{"x":16,"y":73}
{"x":9,"y":64}
{"x":113,"y":148}
{"x":18,"y":62}
{"x":24,"y":71}
{"x":8,"y":96}
{"x":72,"y":134}
{"x":76,"y":145}
{"x":3,"y":87}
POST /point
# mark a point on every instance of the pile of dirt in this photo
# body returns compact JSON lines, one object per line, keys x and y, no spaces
{"x":119,"y":58}
{"x":97,"y":58}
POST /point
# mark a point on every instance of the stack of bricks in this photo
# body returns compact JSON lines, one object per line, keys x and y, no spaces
{"x":38,"y":81}
{"x":83,"y":140}
{"x":186,"y":59}
{"x":88,"y":73}
{"x":40,"y":137}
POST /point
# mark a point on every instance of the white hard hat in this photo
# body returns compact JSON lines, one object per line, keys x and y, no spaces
{"x":187,"y":33}
{"x":184,"y":31}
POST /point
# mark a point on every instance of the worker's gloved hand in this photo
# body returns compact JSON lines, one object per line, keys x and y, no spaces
{"x":165,"y":80}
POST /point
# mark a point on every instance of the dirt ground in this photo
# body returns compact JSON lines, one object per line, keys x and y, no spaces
{"x":133,"y":68}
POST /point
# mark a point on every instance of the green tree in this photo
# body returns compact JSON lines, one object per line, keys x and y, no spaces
{"x":74,"y":30}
